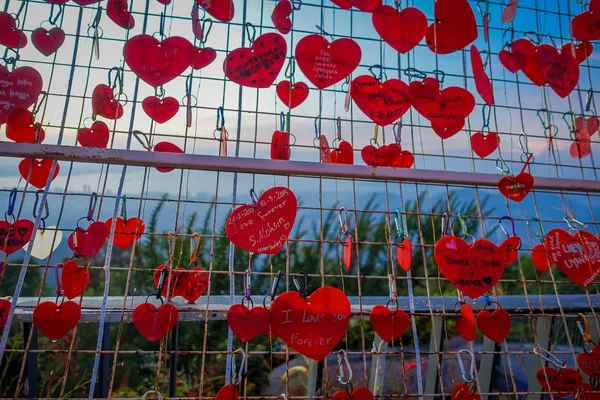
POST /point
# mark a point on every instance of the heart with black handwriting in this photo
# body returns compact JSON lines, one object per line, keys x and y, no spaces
{"x":589,"y":363}
{"x":561,"y":383}
{"x":96,"y":135}
{"x":13,"y":236}
{"x":561,"y":70}
{"x":383,"y":102}
{"x":104,"y":103}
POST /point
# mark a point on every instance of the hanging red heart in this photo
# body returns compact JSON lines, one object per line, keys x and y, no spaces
{"x":465,"y":323}
{"x":245,"y":323}
{"x":516,"y":188}
{"x":525,"y":52}
{"x":324,"y":150}
{"x":324,"y":63}
{"x":510,"y":11}
{"x":166,"y":147}
{"x":47,"y":42}
{"x":512,"y":61}
{"x":227,"y":392}
{"x":404,"y":254}
{"x":4,"y":310}
{"x":95,"y":136}
{"x":590,"y":124}
{"x":193,"y":284}
{"x":36,"y":172}
{"x":174,"y":281}
{"x":292,"y":95}
{"x":482,"y":80}
{"x":402,"y":30}
{"x":588,"y":363}
{"x":495,"y":325}
{"x":587,"y":392}
{"x":560,"y":70}
{"x":580,"y":51}
{"x":382,"y":156}
{"x":21,"y":127}
{"x":160,"y":110}
{"x":88,"y":242}
{"x":118,"y":12}
{"x":404,"y":159}
{"x":348,"y":252}
{"x":361,"y":393}
{"x":223,"y":10}
{"x":104,"y":103}
{"x":365,"y":5}
{"x":510,"y":248}
{"x":454,"y":28}
{"x":344,"y":4}
{"x":55,"y":321}
{"x":10,"y":36}
{"x":311,"y":325}
{"x":126,"y":232}
{"x":585,"y":26}
{"x":158,"y":62}
{"x":259,"y":65}
{"x":280,"y":146}
{"x":484,"y":145}
{"x":389,"y":325}
{"x":264,"y":227}
{"x":281,"y":16}
{"x":343,"y":154}
{"x":25,"y":85}
{"x":154,"y":323}
{"x":576,"y":255}
{"x":464,"y":392}
{"x":74,"y":279}
{"x":471,"y":268}
{"x":203,"y":57}
{"x":560,"y":383}
{"x":383,"y":102}
{"x":581,"y":146}
{"x":539,"y":258}
{"x":16,"y":235}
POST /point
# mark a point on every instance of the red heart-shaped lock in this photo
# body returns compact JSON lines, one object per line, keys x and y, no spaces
{"x":158,"y":62}
{"x":454,"y":28}
{"x":292,"y":95}
{"x":223,"y":10}
{"x":360,"y":393}
{"x":324,"y":150}
{"x":576,"y":255}
{"x":4,"y":310}
{"x":484,"y":145}
{"x":343,"y":154}
{"x":580,"y":51}
{"x":10,"y":36}
{"x":126,"y":232}
{"x":465,"y":323}
{"x":21,"y":127}
{"x":104,"y":103}
{"x":14,"y":236}
{"x":280,"y":146}
{"x":324,"y":63}
{"x":471,"y":268}
{"x":510,"y":248}
{"x":464,"y":392}
{"x":587,"y":392}
{"x":88,"y":242}
{"x":95,"y":136}
{"x":382,"y":156}
{"x":74,"y":279}
{"x":404,"y":254}
{"x":173,"y":281}
{"x":581,"y":146}
{"x":166,"y":147}
{"x":585,"y":26}
{"x":36,"y":172}
{"x":311,"y":325}
{"x":383,"y":102}
{"x":560,"y":70}
{"x":259,"y":65}
{"x":524,"y":49}
{"x":404,"y":159}
{"x":539,"y":258}
{"x":227,"y":392}
{"x":510,"y":11}
{"x":26,"y":86}
{"x":264,"y":227}
{"x":516,"y":188}
{"x":118,"y":12}
{"x":495,"y":325}
{"x":402,"y":30}
{"x":154,"y":323}
{"x":203,"y":57}
{"x":365,"y":5}
{"x":512,"y":61}
{"x":560,"y":383}
{"x":47,"y":42}
{"x":348,"y":252}
{"x":482,"y":81}
{"x":245,"y":323}
{"x":160,"y":110}
{"x":193,"y":284}
{"x":55,"y":321}
{"x":590,"y":124}
{"x":588,"y":363}
{"x":281,"y":16}
{"x":344,"y":4}
{"x":389,"y":325}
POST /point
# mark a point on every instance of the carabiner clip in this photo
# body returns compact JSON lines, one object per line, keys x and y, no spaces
{"x":470,"y":376}
{"x":343,"y":221}
{"x":547,"y":356}
{"x":237,"y":378}
{"x":512,"y":224}
{"x":542,"y":233}
{"x":196,"y":249}
{"x":343,"y":358}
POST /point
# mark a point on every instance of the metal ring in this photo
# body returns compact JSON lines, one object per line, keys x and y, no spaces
{"x":158,"y":297}
{"x":158,"y":395}
{"x":392,"y":302}
{"x":250,"y":303}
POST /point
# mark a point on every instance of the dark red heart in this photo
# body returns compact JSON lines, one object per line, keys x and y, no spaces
{"x":10,"y":36}
{"x":388,"y":325}
{"x":560,"y":70}
{"x":104,"y":103}
{"x":365,"y":5}
{"x":402,"y":30}
{"x":465,"y":323}
{"x":587,"y":392}
{"x":166,"y":147}
{"x":223,"y":10}
{"x":95,"y":136}
{"x":88,"y":242}
{"x":576,"y":255}
{"x":173,"y":281}
{"x":160,"y":110}
{"x":539,"y":258}
{"x":281,"y":16}
{"x":126,"y":232}
{"x":512,"y":61}
{"x":581,"y":146}
{"x":245,"y":323}
{"x":324,"y":150}
{"x":404,"y":254}
{"x":590,"y":124}
{"x":495,"y":325}
{"x":404,"y":159}
{"x":324,"y":63}
{"x":118,"y":12}
{"x":311,"y":325}
{"x":264,"y":227}
{"x":580,"y":51}
{"x":510,"y":248}
{"x":482,"y":81}
{"x":383,"y":102}
{"x":36,"y":172}
{"x":4,"y":310}
{"x":74,"y":279}
{"x":21,"y":127}
{"x":589,"y":364}
{"x":259,"y":65}
{"x":25,"y":85}
{"x":464,"y":392}
{"x":524,"y":49}
{"x":560,"y":383}
{"x":516,"y":188}
{"x":484,"y":145}
{"x":154,"y":323}
{"x":14,"y":236}
{"x":454,"y":28}
{"x":343,"y":154}
{"x":361,"y":393}
{"x":585,"y":26}
{"x":55,"y":321}
{"x":382,"y":156}
{"x":292,"y":95}
{"x":47,"y":42}
{"x":203,"y":57}
{"x":227,"y":392}
{"x":280,"y":146}
{"x":193,"y":283}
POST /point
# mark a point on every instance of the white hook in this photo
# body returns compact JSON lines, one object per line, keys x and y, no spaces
{"x":237,"y":379}
{"x":551,"y":358}
{"x":471,"y":374}
{"x":343,"y":357}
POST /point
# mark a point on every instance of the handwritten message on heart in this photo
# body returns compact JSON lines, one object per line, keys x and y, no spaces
{"x":589,"y":363}
{"x":18,"y":89}
{"x":561,"y":383}
{"x":577,"y":255}
{"x":14,"y":236}
{"x":383,"y":102}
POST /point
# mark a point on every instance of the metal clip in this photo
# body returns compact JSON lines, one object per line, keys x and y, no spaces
{"x":247,"y":283}
{"x":303,"y":291}
{"x":343,"y":358}
{"x":470,"y":376}
{"x":343,"y":221}
{"x":92,"y":206}
{"x":196,"y":249}
{"x":542,"y":233}
{"x":155,"y":392}
{"x":237,"y":378}
{"x":445,"y":224}
{"x":547,"y":356}
{"x":35,"y":208}
{"x":512,"y":224}
{"x":571,"y":222}
{"x":275,"y":285}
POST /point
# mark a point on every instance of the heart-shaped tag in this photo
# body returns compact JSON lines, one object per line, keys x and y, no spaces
{"x":383,"y":102}
{"x":292,"y":95}
{"x":588,"y":363}
{"x":47,"y":42}
{"x":576,"y":255}
{"x":160,"y":110}
{"x":259,"y":65}
{"x":516,"y":188}
{"x":389,"y":325}
{"x":510,"y":248}
{"x":324,"y":63}
{"x":404,"y":254}
{"x":324,"y":150}
{"x":126,"y":232}
{"x":166,"y":147}
{"x":464,"y":392}
{"x":365,"y":5}
{"x":495,"y":325}
{"x":525,"y":49}
{"x":512,"y":61}
{"x":223,"y":10}
{"x":118,"y":12}
{"x":454,"y":28}
{"x":203,"y":57}
{"x":402,"y":30}
{"x":88,"y":242}
{"x":343,"y":154}
{"x":10,"y":36}
{"x":22,"y":128}
{"x":173,"y":281}
{"x":280,"y":146}
{"x":484,"y":145}
{"x":560,"y":70}
{"x":587,"y":392}
{"x":281,"y":16}
{"x":74,"y":279}
{"x":46,"y":242}
{"x":471,"y":268}
{"x":580,"y":51}
{"x":482,"y":81}
{"x":465,"y":323}
{"x":311,"y":325}
{"x":104,"y":103}
{"x":55,"y":321}
{"x":581,"y":146}
{"x":404,"y":159}
{"x":25,"y":85}
{"x":361,"y":393}
{"x":540,"y":259}
{"x":585,"y":26}
{"x":227,"y":392}
{"x":264,"y":227}
{"x":14,"y":236}
{"x":348,"y":252}
{"x":36,"y":172}
{"x":97,"y":135}
{"x":510,"y":11}
{"x":561,"y":383}
{"x":193,"y":284}
{"x":245,"y":323}
{"x":382,"y":156}
{"x":590,"y":124}
{"x":4,"y":310}
{"x":154,"y":323}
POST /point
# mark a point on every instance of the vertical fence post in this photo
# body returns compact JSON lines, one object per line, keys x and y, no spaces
{"x":435,"y":346}
{"x":486,"y":366}
{"x":543,"y":329}
{"x":377,"y":366}
{"x":31,"y":362}
{"x":173,"y":362}
{"x":104,"y":359}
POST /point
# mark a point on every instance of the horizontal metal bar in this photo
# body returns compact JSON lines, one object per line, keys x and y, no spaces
{"x":276,"y":167}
